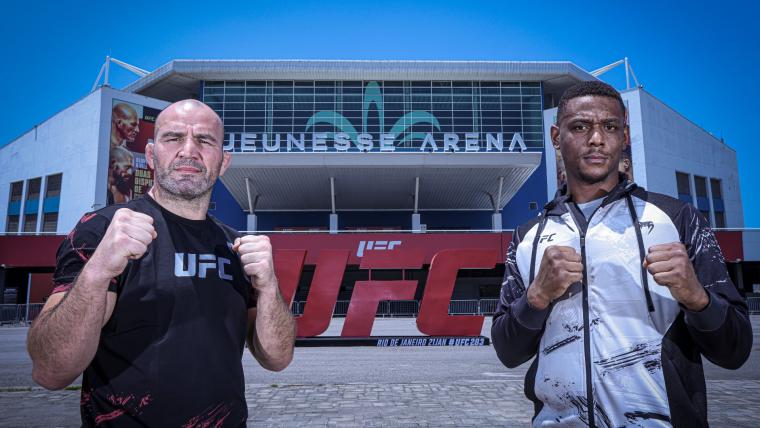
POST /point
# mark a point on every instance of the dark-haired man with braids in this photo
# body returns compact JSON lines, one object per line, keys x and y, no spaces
{"x":615,"y":292}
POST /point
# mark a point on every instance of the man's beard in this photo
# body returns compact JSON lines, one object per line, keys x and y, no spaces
{"x":122,"y":184}
{"x":188,"y":188}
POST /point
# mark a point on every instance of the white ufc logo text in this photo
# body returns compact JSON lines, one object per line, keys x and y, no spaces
{"x":375,"y":245}
{"x":200,"y":264}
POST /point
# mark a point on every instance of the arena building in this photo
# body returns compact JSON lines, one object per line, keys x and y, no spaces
{"x":363,"y":156}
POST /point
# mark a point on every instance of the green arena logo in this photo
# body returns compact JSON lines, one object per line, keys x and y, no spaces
{"x":347,"y":137}
{"x":373,"y":95}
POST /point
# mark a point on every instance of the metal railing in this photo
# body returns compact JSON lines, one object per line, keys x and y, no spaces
{"x":17,"y":314}
{"x":410,"y":308}
{"x":754,"y":305}
{"x":321,"y":231}
{"x":487,"y":306}
{"x":326,"y":231}
{"x":464,"y":307}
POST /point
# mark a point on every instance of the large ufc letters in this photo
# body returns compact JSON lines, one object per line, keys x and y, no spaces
{"x":433,"y":318}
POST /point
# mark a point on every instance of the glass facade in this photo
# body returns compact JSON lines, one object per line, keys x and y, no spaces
{"x":350,"y":114}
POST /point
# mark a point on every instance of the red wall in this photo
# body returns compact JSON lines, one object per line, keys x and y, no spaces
{"x":29,"y":251}
{"x":42,"y":285}
{"x":39,"y":251}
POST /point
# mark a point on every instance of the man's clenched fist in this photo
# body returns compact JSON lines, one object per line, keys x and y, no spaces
{"x":560,"y":267}
{"x":670,"y":266}
{"x":127,"y":238}
{"x":255,"y":253}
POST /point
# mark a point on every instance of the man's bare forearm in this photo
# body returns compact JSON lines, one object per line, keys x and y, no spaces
{"x":63,"y":340}
{"x":275,"y":332}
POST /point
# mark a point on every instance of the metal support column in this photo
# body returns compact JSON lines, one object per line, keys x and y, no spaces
{"x":496,"y":216}
{"x":333,"y":214}
{"x":108,"y":67}
{"x":251,"y":220}
{"x":28,"y":296}
{"x":3,"y":271}
{"x":740,"y":277}
{"x":416,"y":220}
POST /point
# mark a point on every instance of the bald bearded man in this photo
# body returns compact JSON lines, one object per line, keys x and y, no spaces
{"x":125,"y":125}
{"x":154,"y":299}
{"x":120,"y":176}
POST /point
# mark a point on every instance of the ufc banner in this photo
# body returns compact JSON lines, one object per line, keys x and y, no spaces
{"x":330,"y":254}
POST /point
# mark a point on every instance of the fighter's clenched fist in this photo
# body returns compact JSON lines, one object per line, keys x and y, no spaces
{"x":671,"y":267}
{"x":560,"y":267}
{"x":127,"y":238}
{"x":255,"y":253}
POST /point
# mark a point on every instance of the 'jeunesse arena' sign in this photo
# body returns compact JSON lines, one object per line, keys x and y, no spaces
{"x":344,"y":142}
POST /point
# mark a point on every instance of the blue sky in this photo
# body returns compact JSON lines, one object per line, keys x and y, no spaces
{"x":699,"y":58}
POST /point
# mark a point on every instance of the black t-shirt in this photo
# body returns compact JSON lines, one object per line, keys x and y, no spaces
{"x":170,"y":355}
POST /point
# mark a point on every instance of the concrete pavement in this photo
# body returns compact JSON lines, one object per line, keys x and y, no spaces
{"x":371,"y":387}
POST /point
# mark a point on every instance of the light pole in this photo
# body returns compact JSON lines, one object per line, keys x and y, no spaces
{"x":28,"y":295}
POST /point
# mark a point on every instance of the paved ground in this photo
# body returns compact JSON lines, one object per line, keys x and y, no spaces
{"x":371,"y":387}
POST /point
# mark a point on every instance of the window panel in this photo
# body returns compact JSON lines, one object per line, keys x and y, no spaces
{"x":531,"y":91}
{"x":715,"y":188}
{"x":683,"y":184}
{"x":720,"y":219}
{"x":700,"y":185}
{"x":11,"y":225}
{"x":234,"y":91}
{"x":14,"y":207}
{"x":17,"y":190}
{"x":50,"y":222}
{"x":33,"y":188}
{"x":511,"y":106}
{"x":30,"y":223}
{"x":213,"y":91}
{"x":260,"y":122}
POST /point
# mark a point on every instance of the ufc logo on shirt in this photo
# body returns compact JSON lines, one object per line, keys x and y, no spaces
{"x":547,"y":238}
{"x":199,"y":265}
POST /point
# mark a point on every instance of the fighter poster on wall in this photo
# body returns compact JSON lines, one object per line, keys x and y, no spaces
{"x":131,"y":129}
